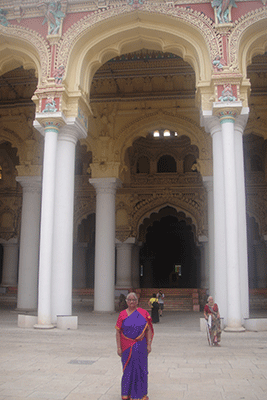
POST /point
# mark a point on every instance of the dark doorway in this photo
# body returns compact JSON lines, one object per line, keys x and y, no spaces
{"x":169,"y":256}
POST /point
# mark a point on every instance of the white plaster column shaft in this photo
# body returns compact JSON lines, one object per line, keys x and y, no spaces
{"x":105,"y":243}
{"x":62,"y":255}
{"x":47,"y":218}
{"x":136,"y":266}
{"x":219,"y":274}
{"x":124,"y":263}
{"x":79,"y":262}
{"x":29,"y":242}
{"x":204,"y":262}
{"x":10,"y":262}
{"x":239,"y":126}
{"x":209,"y":269}
{"x":232,"y":230}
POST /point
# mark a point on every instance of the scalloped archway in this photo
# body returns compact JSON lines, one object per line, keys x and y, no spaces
{"x":111,"y":33}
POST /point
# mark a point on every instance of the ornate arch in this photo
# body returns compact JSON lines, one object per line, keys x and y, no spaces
{"x":107,"y":33}
{"x":31,"y":50}
{"x":83,"y":207}
{"x":150,"y":121}
{"x":257,"y":210}
{"x":149,"y":203}
{"x":248,"y":39}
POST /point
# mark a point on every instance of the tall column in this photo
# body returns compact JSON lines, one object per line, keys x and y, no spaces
{"x":10,"y":262}
{"x":208,"y":183}
{"x":124,"y":263}
{"x":260,"y":258}
{"x":79,"y":261}
{"x":204,"y":262}
{"x":62,"y":255}
{"x":219,"y":277}
{"x":231,"y":214}
{"x":29,"y":242}
{"x":226,"y":123}
{"x":136,"y":266}
{"x":105,"y":243}
{"x":239,"y":127}
{"x":50,"y":131}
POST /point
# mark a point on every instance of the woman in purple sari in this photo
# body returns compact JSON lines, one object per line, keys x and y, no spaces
{"x":134,"y":334}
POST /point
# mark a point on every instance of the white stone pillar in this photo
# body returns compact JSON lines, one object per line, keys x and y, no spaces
{"x":62,"y":254}
{"x":105,"y":243}
{"x":260,"y":258}
{"x":79,"y":263}
{"x":239,"y":126}
{"x":136,"y":266}
{"x":231,"y":272}
{"x":208,"y":183}
{"x":212,"y":125}
{"x":29,"y":242}
{"x":204,"y":262}
{"x":231,"y":214}
{"x":50,"y":131}
{"x":124,"y":263}
{"x":10,"y":262}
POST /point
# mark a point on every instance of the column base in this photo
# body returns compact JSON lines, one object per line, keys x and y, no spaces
{"x":67,"y":322}
{"x":27,"y":321}
{"x":40,"y":326}
{"x":234,"y":329}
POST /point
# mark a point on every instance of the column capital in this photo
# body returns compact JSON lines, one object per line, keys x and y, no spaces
{"x":49,"y":122}
{"x":203,"y":239}
{"x":10,"y":242}
{"x":73,"y":130}
{"x":130,"y":240}
{"x":223,"y":112}
{"x":69,"y":128}
{"x":227,"y":111}
{"x":30,"y":184}
{"x":208,"y":183}
{"x":105,"y":185}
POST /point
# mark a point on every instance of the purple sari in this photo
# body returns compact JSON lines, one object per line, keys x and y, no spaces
{"x":134,"y":357}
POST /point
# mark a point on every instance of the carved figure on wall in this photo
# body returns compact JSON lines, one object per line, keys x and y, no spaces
{"x":135,"y":2}
{"x":50,"y":106}
{"x":222,"y":9}
{"x":227,"y":94}
{"x":58,"y":74}
{"x":218,"y":63}
{"x":3,"y":20}
{"x":53,"y":17}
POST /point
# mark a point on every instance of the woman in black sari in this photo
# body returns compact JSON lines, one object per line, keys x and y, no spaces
{"x":154,"y":304}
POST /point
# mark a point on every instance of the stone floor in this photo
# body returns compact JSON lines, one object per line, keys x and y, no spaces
{"x":83,"y":365}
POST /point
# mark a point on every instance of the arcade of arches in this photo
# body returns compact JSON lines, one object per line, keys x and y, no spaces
{"x":132,"y":151}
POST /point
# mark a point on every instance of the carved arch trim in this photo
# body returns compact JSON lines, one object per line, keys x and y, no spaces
{"x":257,"y":211}
{"x":95,"y":39}
{"x":183,"y":125}
{"x":146,"y":206}
{"x":29,"y":47}
{"x":248,"y":39}
{"x":83,"y":208}
{"x":156,"y":210}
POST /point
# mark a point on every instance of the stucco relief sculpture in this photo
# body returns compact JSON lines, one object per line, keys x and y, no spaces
{"x":50,"y":106}
{"x":218,"y":64}
{"x":53,"y":17}
{"x":58,"y":74}
{"x":222,"y":10}
{"x":227,"y":94}
{"x":3,"y":20}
